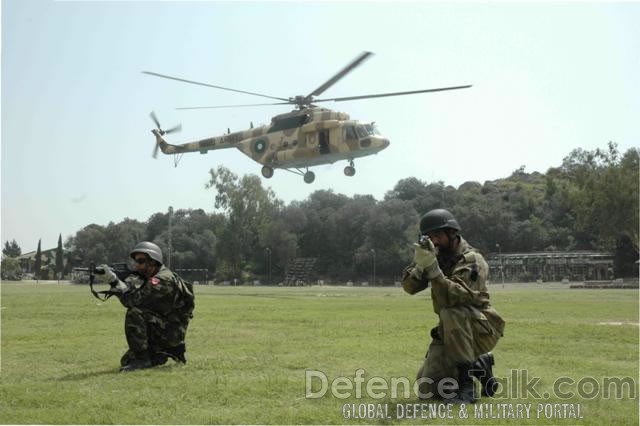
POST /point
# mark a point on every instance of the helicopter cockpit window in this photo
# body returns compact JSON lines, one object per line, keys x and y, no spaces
{"x":362,"y":133}
{"x":371,"y":130}
{"x":350,"y":132}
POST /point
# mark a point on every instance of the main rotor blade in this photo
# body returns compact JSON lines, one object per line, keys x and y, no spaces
{"x":341,"y":73}
{"x":210,"y":85}
{"x":236,"y":106}
{"x":155,"y":151}
{"x":155,"y":119}
{"x":381,"y":95}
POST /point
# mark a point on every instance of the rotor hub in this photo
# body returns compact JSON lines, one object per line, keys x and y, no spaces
{"x":301,"y":101}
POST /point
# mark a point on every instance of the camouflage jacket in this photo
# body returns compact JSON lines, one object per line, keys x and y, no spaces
{"x":165,"y":294}
{"x":464,"y":283}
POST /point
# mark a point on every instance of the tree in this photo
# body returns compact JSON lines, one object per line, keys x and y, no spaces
{"x":589,"y":202}
{"x":89,"y":245}
{"x":38,"y":265}
{"x":322,"y":236}
{"x":409,"y":189}
{"x":11,"y":269}
{"x":604,"y":195}
{"x":120,"y":238}
{"x":388,"y":232}
{"x":616,"y":196}
{"x":157,"y":223}
{"x":193,"y":238}
{"x":11,"y":249}
{"x":248,"y":208}
{"x":59,"y":258}
{"x":281,"y":245}
{"x":423,"y":196}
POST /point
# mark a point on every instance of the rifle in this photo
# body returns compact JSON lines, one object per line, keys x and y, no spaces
{"x":121,"y":270}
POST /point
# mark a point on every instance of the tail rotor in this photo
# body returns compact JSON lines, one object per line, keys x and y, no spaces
{"x":173,"y":129}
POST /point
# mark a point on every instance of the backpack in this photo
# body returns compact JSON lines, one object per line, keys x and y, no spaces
{"x":185,"y":300}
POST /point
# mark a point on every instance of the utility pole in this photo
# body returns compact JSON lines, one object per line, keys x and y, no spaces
{"x":500,"y":259}
{"x":268,"y":250}
{"x":373,"y":252}
{"x":170,"y":218}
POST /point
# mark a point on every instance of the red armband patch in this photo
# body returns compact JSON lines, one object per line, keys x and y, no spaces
{"x":154,"y":281}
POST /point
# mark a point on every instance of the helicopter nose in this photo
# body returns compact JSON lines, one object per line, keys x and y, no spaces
{"x":385,"y":143}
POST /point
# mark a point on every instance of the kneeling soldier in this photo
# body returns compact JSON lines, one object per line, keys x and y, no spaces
{"x":158,"y":311}
{"x":469,"y":327}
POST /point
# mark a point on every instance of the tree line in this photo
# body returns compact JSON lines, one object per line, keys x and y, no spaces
{"x":589,"y":202}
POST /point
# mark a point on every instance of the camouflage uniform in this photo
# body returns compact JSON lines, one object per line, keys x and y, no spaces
{"x":158,"y":315}
{"x":468,"y":325}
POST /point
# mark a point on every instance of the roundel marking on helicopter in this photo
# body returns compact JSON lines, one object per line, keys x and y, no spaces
{"x":260,"y":146}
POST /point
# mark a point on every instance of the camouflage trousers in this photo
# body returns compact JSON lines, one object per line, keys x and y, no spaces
{"x":147,"y":331}
{"x":463,"y":334}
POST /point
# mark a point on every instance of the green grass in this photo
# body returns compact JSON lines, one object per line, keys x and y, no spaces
{"x":249,"y":347}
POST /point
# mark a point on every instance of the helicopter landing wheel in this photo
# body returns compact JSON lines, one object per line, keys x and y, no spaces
{"x":349,"y":171}
{"x":267,"y":172}
{"x":309,"y":177}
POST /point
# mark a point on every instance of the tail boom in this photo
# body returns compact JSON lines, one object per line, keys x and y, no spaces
{"x":203,"y":145}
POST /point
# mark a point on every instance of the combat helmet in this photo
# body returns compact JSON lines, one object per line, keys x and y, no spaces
{"x":438,"y":219}
{"x":150,"y":249}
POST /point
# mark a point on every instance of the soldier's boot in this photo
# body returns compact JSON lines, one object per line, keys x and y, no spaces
{"x":466,"y":387}
{"x":126,"y":358}
{"x":139,"y":362}
{"x":159,"y":358}
{"x":483,"y":371}
{"x":177,"y":353}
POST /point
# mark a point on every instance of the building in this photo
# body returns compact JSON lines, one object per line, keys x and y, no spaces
{"x":550,"y":266}
{"x":48,"y":258}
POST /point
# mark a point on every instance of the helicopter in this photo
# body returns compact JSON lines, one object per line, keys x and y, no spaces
{"x":295,"y":141}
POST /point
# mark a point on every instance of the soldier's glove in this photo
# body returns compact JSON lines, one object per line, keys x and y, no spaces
{"x":426,"y":261}
{"x":117,"y":286}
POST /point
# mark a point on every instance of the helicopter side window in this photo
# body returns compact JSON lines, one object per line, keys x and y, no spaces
{"x":350,"y":132}
{"x":362,"y":133}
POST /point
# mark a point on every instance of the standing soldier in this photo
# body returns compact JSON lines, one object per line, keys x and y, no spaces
{"x":158,"y":311}
{"x":469,"y":327}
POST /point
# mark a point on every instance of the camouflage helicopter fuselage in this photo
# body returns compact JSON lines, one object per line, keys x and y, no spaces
{"x":298,"y":139}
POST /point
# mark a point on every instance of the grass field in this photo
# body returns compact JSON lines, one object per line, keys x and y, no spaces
{"x":249,"y":347}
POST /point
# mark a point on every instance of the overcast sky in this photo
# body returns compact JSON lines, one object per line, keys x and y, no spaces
{"x":76,"y":143}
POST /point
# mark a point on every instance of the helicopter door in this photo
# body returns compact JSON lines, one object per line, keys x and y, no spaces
{"x":323,"y":141}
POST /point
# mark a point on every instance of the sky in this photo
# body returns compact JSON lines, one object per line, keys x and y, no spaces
{"x":76,"y":144}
